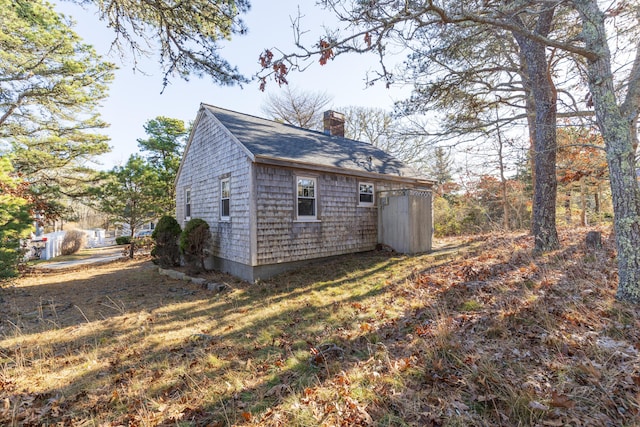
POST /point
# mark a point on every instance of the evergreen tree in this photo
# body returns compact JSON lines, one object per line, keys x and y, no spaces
{"x":50,"y":89}
{"x":163,"y":150}
{"x":15,"y":219}
{"x":185,"y":34}
{"x":130,"y":193}
{"x":441,"y":166}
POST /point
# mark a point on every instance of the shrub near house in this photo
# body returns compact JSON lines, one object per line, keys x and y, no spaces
{"x":166,"y":252}
{"x":193,"y":242}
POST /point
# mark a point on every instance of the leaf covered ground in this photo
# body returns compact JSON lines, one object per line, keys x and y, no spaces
{"x":478,"y":333}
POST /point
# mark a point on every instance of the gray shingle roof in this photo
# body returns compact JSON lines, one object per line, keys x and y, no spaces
{"x":270,"y":139}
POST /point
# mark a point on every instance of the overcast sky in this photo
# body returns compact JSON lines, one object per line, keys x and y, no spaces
{"x":135,"y":97}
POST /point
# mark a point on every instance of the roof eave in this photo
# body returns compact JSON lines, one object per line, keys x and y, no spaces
{"x":188,"y":144}
{"x":273,"y":161}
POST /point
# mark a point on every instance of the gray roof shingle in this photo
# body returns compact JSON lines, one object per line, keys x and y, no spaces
{"x":270,"y":139}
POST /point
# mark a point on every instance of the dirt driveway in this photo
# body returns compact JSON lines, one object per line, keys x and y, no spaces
{"x":98,"y":256}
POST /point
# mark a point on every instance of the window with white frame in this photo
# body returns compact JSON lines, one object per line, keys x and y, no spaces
{"x":365,"y":194}
{"x":306,"y":197}
{"x":225,"y":197}
{"x":187,"y":204}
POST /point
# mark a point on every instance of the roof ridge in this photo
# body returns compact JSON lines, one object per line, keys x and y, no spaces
{"x":267,"y":138}
{"x":319,"y":132}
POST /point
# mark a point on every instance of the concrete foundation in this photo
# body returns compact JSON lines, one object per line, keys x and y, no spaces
{"x":260,"y":272}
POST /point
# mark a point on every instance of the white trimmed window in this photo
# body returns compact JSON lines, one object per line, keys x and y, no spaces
{"x":366,"y":194}
{"x":306,"y":198}
{"x":225,"y":198}
{"x":187,"y":204}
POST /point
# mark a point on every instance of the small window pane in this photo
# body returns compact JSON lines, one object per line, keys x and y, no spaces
{"x":366,"y":198}
{"x":306,"y":188}
{"x":366,"y":188}
{"x":225,"y":189}
{"x":187,"y":203}
{"x":225,"y":195}
{"x":366,"y":193}
{"x":306,"y":207}
{"x":225,"y":207}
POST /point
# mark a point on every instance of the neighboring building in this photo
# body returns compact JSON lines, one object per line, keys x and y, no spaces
{"x":145,"y":228}
{"x":277,"y":195}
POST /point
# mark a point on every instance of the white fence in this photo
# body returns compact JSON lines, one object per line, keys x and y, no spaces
{"x":95,"y":237}
{"x":53,"y":246}
{"x":53,"y":243}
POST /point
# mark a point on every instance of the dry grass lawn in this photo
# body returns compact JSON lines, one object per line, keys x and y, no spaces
{"x":479,"y":334}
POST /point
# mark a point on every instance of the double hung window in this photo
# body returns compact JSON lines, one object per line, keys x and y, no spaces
{"x":365,"y":194}
{"x":306,"y":198}
{"x":187,"y":204}
{"x":225,"y":198}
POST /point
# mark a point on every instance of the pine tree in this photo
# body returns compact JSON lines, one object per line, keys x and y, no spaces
{"x":15,"y":220}
{"x":51,"y":87}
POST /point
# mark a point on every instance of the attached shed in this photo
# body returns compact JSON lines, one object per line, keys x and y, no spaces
{"x":277,"y":196}
{"x":405,"y":220}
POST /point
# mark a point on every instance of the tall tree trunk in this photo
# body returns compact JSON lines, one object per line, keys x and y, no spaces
{"x":503,"y":179}
{"x":615,"y":124}
{"x":567,"y":207}
{"x":596,"y":201}
{"x":583,"y":204}
{"x":544,"y":93}
{"x":530,"y":108}
{"x":505,"y":198}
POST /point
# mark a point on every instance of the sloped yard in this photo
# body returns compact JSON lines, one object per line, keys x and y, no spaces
{"x":478,"y":334}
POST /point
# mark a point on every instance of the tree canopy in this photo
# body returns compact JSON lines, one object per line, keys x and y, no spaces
{"x":163,"y":151}
{"x":185,"y":34}
{"x":387,"y":132}
{"x":129,"y":194}
{"x":15,"y":219}
{"x":297,"y":108}
{"x":51,"y":85}
{"x":374,"y":26}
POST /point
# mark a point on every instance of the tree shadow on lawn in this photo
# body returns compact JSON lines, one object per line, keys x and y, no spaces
{"x":195,"y":313}
{"x":530,"y":352}
{"x":405,"y":343}
{"x":525,"y":355}
{"x":62,"y":299}
{"x":48,"y":323}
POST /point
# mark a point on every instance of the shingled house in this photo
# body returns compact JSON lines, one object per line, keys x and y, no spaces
{"x":277,"y":195}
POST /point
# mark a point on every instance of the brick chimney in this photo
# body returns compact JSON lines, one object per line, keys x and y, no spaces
{"x":333,"y":123}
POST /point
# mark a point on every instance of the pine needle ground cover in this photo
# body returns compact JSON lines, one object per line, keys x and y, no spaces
{"x":479,"y":333}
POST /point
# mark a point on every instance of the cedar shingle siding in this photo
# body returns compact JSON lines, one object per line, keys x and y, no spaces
{"x":342,"y":226}
{"x":263,"y":235}
{"x":212,"y":155}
